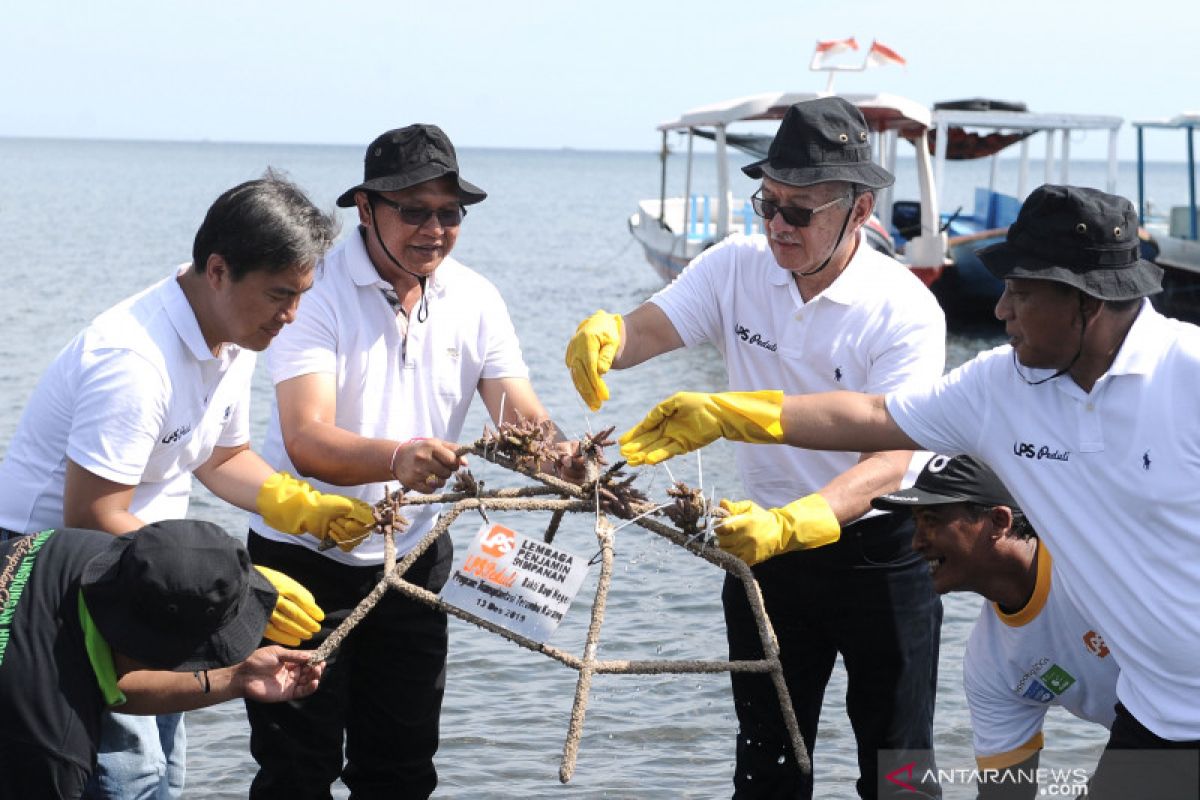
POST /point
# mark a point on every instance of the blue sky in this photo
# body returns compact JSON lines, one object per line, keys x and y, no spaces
{"x":555,"y":74}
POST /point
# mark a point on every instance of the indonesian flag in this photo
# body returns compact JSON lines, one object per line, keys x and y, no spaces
{"x":880,"y":55}
{"x":825,"y":50}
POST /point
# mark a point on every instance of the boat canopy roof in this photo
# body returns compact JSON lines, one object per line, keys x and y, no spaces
{"x":998,"y":119}
{"x":1188,"y":119}
{"x":882,"y":111}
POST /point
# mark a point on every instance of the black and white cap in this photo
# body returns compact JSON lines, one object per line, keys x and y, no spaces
{"x":946,"y":479}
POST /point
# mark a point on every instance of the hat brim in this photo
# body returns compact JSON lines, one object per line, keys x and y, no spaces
{"x":468,"y":192}
{"x":1129,"y":282}
{"x":864,"y":173}
{"x":913,"y":497}
{"x":114,"y":611}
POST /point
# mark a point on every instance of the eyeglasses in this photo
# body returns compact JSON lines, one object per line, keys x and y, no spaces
{"x":795,"y":216}
{"x":446,"y":217}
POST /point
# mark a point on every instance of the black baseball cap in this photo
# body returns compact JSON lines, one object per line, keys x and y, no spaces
{"x":944,"y":480}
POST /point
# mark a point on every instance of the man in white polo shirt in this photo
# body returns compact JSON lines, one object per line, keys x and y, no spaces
{"x":157,"y":390}
{"x":1031,"y":648}
{"x":372,"y":384}
{"x":809,"y":307}
{"x":1086,"y":417}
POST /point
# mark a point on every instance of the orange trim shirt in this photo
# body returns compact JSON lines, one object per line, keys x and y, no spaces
{"x":1018,"y":665}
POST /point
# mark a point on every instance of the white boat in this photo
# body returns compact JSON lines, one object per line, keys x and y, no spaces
{"x":1172,"y":239}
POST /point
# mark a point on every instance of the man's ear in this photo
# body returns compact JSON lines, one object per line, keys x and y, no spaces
{"x":864,"y":205}
{"x":362,"y":202}
{"x":1001,"y":518}
{"x":216,"y":270}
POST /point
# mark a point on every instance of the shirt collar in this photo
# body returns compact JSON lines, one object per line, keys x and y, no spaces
{"x":1140,"y":350}
{"x":183,"y":317}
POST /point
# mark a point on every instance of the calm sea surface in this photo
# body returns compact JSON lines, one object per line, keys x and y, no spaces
{"x":85,"y":224}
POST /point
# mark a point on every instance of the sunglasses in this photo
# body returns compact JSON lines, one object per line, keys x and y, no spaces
{"x":795,"y":216}
{"x":446,"y":217}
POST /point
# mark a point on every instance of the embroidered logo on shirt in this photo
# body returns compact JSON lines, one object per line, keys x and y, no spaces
{"x":1094,"y":642}
{"x":745,"y":335}
{"x":228,"y":413}
{"x":177,"y":434}
{"x":1146,"y":460}
{"x":1027,"y":450}
{"x":837,"y":374}
{"x":1047,"y":685}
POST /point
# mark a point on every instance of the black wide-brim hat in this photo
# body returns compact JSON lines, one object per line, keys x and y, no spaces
{"x":946,"y":480}
{"x":178,"y":595}
{"x":407,"y":156}
{"x":1082,"y":237}
{"x":822,"y":140}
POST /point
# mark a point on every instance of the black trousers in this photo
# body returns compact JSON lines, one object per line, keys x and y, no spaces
{"x":381,"y":693}
{"x":1137,"y":763}
{"x":870,"y":598}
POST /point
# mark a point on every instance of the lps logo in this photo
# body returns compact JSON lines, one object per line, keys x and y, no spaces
{"x":498,"y":541}
{"x":177,"y":434}
{"x":1094,"y":642}
{"x":1027,"y":450}
{"x":745,"y":335}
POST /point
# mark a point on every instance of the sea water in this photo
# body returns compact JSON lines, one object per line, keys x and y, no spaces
{"x":84,"y":224}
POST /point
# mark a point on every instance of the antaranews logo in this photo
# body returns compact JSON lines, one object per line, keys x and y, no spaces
{"x":917,"y":775}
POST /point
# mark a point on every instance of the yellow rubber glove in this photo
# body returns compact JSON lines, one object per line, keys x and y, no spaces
{"x":754,"y":534}
{"x":296,"y":616}
{"x":687,"y":421}
{"x":590,"y":354}
{"x":294,"y":507}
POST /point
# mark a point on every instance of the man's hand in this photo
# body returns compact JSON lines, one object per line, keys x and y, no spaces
{"x":294,"y":507}
{"x":273,"y":674}
{"x":296,"y":616}
{"x":424,"y":465}
{"x":590,"y":354}
{"x":687,"y":421}
{"x":754,"y":534}
{"x":566,"y":462}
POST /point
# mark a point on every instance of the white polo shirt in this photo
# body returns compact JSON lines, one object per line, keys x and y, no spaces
{"x":1111,"y":479}
{"x":136,"y":398}
{"x":394,"y":378}
{"x":874,"y":329}
{"x":1018,"y":665}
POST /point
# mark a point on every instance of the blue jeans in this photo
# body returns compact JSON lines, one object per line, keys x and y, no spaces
{"x":141,"y":758}
{"x":868,"y":597}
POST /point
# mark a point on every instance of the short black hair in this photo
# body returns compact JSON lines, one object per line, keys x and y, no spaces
{"x":264,"y":224}
{"x":1021,"y":527}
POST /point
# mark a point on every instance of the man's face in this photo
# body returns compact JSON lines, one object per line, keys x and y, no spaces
{"x":803,"y":249}
{"x":254,"y":310}
{"x":420,"y":248}
{"x":954,"y":542}
{"x":1042,"y":320}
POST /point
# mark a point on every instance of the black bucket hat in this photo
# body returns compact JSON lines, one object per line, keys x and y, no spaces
{"x":407,"y":156}
{"x":178,"y":594}
{"x":819,"y":141}
{"x":1082,"y":237}
{"x":945,"y":480}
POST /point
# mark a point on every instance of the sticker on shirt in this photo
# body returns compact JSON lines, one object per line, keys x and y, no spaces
{"x":518,"y":583}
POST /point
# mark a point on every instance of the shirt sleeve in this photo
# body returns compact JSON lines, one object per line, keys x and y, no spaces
{"x":119,"y":413}
{"x":691,"y":300}
{"x":949,"y":416}
{"x":502,"y":348}
{"x":308,"y":345}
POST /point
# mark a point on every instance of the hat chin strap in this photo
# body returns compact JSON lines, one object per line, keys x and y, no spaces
{"x":423,"y":306}
{"x":1071,"y":363}
{"x":836,"y":244}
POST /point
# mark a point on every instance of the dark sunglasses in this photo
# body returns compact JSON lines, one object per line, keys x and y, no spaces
{"x":795,"y":216}
{"x":446,"y":217}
